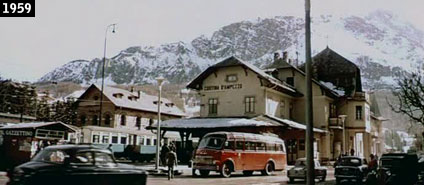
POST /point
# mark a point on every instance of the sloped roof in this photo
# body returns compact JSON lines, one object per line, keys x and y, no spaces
{"x":258,"y":121}
{"x":145,"y":102}
{"x":233,"y":61}
{"x":35,"y":125}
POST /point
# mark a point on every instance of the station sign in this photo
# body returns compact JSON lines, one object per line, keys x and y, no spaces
{"x":222,"y":87}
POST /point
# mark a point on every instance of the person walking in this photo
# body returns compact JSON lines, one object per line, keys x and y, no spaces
{"x":163,"y":154}
{"x":171,"y":160}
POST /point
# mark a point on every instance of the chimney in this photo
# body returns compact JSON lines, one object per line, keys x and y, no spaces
{"x":285,"y":56}
{"x":139,"y":94}
{"x":276,"y":56}
{"x":132,"y":89}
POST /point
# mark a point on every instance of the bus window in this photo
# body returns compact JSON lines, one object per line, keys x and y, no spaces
{"x":239,"y":145}
{"x":211,"y":142}
{"x":270,"y":146}
{"x":250,"y":145}
{"x":229,"y":145}
{"x":260,"y":146}
{"x":278,"y":147}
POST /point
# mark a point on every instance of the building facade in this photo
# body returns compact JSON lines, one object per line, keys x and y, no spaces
{"x":125,"y":116}
{"x":233,"y":88}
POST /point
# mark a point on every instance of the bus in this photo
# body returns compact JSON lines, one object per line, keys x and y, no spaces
{"x":227,"y":152}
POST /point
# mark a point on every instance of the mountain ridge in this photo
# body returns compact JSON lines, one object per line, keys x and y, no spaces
{"x":379,"y":43}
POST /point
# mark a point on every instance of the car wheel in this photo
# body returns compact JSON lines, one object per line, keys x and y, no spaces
{"x":247,"y":173}
{"x":204,"y":173}
{"x":226,"y":170}
{"x":269,"y":167}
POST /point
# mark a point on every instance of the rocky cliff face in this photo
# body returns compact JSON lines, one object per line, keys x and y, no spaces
{"x":380,"y":44}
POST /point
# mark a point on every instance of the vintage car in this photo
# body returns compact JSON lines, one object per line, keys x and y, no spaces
{"x":351,"y":168}
{"x":299,"y":170}
{"x":75,"y":164}
{"x":398,"y":168}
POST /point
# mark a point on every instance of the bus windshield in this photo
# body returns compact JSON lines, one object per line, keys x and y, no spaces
{"x":212,"y":142}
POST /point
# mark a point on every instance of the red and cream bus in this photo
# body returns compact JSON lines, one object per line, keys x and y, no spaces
{"x":227,"y":152}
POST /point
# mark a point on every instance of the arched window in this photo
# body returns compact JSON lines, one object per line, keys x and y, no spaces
{"x":95,"y":120}
{"x":83,"y":119}
{"x":123,"y":120}
{"x":138,"y":122}
{"x":107,"y":119}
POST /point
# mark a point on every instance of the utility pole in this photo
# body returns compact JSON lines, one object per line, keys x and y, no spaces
{"x":310,"y":179}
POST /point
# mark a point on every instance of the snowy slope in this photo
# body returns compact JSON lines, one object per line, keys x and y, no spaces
{"x":381,"y":44}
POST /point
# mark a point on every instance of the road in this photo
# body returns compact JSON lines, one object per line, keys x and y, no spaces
{"x":277,"y":178}
{"x":237,"y":179}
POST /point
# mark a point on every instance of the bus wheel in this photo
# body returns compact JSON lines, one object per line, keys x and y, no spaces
{"x":204,"y":173}
{"x":226,"y":170}
{"x":247,"y":173}
{"x":269,"y":167}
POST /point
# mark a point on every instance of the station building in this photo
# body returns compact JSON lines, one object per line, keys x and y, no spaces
{"x":234,"y":89}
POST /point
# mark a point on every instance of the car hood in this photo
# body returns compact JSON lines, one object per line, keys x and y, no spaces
{"x":35,"y":165}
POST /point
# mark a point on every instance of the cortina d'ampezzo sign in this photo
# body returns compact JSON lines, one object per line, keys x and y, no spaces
{"x":222,"y":87}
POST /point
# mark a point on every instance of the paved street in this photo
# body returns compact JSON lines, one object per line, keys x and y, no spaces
{"x":237,"y":179}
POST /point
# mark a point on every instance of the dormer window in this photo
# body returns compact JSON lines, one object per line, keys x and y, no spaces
{"x":96,"y":97}
{"x":132,"y":98}
{"x":156,"y":102}
{"x":118,"y":95}
{"x":231,"y":78}
{"x":169,"y":104}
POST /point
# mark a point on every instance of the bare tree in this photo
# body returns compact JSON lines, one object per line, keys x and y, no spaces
{"x":410,"y":95}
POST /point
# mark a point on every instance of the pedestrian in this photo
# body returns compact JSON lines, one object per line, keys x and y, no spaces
{"x":163,"y":152}
{"x":372,"y":165}
{"x":352,"y":152}
{"x":171,"y":159}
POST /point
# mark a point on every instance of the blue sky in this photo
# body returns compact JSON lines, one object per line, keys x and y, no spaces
{"x":74,"y":29}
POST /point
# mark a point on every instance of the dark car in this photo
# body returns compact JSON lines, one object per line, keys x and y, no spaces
{"x":398,"y":168}
{"x":299,"y":171}
{"x":76,"y":164}
{"x":351,"y":168}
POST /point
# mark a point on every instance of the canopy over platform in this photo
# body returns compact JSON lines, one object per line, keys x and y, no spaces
{"x":262,"y":122}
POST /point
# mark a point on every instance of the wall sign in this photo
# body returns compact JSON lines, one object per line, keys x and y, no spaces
{"x":16,"y":133}
{"x":222,"y":87}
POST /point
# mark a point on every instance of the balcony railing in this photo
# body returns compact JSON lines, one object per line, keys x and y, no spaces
{"x":335,"y":122}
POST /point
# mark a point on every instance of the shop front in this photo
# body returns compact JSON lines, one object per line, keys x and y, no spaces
{"x":20,"y":142}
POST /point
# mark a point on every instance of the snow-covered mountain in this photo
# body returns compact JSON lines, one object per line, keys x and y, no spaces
{"x":380,"y":43}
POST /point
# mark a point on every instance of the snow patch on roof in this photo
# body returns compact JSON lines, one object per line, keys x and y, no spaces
{"x":332,"y":87}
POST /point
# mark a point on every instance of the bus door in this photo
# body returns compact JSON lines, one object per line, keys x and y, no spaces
{"x":239,"y":150}
{"x":229,"y":152}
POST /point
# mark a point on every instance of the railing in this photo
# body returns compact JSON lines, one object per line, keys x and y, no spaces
{"x":335,"y":122}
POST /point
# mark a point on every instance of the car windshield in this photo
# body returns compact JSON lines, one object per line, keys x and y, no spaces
{"x":51,"y":156}
{"x":212,"y":142}
{"x":300,"y":163}
{"x":350,"y":162}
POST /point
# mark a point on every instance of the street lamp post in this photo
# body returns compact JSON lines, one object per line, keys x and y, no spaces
{"x":310,"y":179}
{"x":343,"y":119}
{"x":158,"y":139}
{"x":103,"y":71}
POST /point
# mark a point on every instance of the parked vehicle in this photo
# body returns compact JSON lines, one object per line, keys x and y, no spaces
{"x":398,"y":168}
{"x":299,"y":170}
{"x":227,"y":152}
{"x":351,"y":168}
{"x":75,"y":164}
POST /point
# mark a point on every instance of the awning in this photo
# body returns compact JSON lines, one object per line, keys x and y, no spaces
{"x":35,"y":125}
{"x":293,"y":124}
{"x":205,"y":123}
